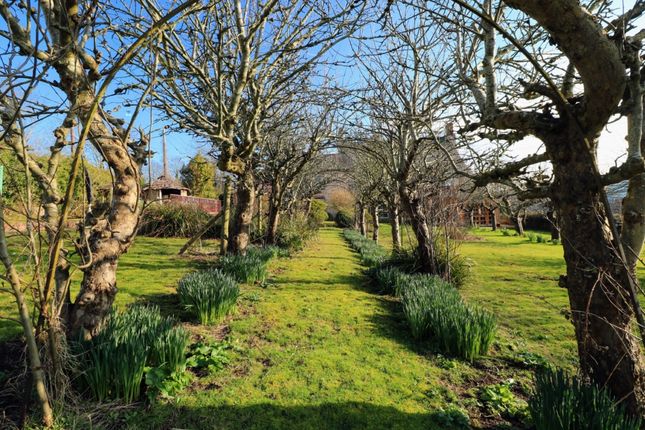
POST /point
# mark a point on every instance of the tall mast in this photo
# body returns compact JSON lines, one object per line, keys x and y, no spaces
{"x":165,"y":155}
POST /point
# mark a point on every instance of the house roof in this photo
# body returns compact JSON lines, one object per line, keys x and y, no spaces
{"x":166,"y":183}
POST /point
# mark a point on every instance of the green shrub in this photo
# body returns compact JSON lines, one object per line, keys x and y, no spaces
{"x":532,"y":237}
{"x":209,"y":295}
{"x":541,"y":239}
{"x":175,"y":220}
{"x":506,"y":232}
{"x":294,"y":233}
{"x":318,"y":212}
{"x":434,"y":309}
{"x":344,"y":220}
{"x":564,"y":402}
{"x":116,"y":358}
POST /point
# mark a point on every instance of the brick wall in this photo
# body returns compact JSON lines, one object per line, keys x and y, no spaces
{"x":212,"y":206}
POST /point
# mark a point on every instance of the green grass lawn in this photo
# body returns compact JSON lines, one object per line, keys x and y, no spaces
{"x":518,"y":281}
{"x":149,"y":271}
{"x":315,"y":348}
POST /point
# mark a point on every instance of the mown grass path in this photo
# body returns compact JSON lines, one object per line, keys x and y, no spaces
{"x":315,"y":350}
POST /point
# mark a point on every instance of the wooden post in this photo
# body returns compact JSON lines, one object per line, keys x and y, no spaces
{"x":226,"y":221}
{"x":201,"y":232}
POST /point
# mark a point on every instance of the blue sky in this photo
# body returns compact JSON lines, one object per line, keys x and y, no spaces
{"x":181,"y":146}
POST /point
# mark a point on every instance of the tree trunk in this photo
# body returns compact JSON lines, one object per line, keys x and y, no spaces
{"x":596,"y":278}
{"x":493,"y":219}
{"x":396,"y":227}
{"x":243,"y":214}
{"x":414,"y":208}
{"x":275,"y":202}
{"x":362,"y":225}
{"x":37,"y":374}
{"x":273,"y":222}
{"x":555,"y":228}
{"x":375,"y":223}
{"x":226,"y":216}
{"x":260,"y":210}
{"x":518,"y":223}
{"x":633,"y":229}
{"x":110,"y":236}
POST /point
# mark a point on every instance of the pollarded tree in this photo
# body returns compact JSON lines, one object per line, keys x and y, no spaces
{"x":56,"y":45}
{"x":296,"y":141}
{"x":224,"y":70}
{"x":398,"y":112}
{"x":560,"y":77}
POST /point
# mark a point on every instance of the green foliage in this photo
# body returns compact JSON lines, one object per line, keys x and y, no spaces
{"x":175,"y":220}
{"x":248,"y":268}
{"x":529,"y":360}
{"x":408,"y":261}
{"x":115,"y":360}
{"x":452,"y":418}
{"x":371,"y":253}
{"x":164,"y":383}
{"x":211,"y":357}
{"x":564,"y":402}
{"x":209,"y":295}
{"x":388,"y":279}
{"x":318,"y":213}
{"x":199,"y":176}
{"x":507,"y":232}
{"x":15,"y":181}
{"x":434,"y":309}
{"x":344,"y":219}
{"x":295,"y":232}
{"x":498,"y":399}
{"x":531,"y":237}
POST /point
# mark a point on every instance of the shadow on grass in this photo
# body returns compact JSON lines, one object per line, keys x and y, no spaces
{"x":328,"y":416}
{"x":168,"y":304}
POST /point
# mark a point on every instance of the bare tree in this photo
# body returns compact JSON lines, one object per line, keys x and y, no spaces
{"x":286,"y":150}
{"x":401,"y":109}
{"x":225,"y":69}
{"x":544,"y":81}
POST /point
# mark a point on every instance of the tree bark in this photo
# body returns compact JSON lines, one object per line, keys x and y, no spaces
{"x":240,"y":239}
{"x":493,"y":219}
{"x":555,"y":228}
{"x":111,"y":236}
{"x":362,"y":225}
{"x":396,"y":227}
{"x":226,"y":216}
{"x":414,"y":207}
{"x":596,"y":278}
{"x":633,"y":209}
{"x":375,"y":223}
{"x":274,"y":214}
{"x":518,"y":223}
{"x":35,"y":366}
